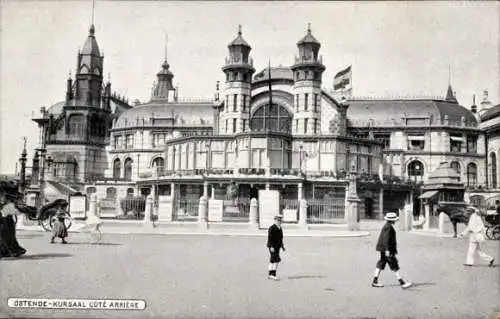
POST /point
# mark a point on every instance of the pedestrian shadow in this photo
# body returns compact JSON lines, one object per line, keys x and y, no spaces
{"x":414,"y":285}
{"x":38,"y":256}
{"x":92,"y":244}
{"x":485,"y":266}
{"x":305,"y":277}
{"x":28,"y":236}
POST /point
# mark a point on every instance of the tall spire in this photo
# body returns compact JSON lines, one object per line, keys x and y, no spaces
{"x":166,"y":44}
{"x":93,"y":9}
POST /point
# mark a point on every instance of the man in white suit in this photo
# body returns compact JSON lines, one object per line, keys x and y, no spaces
{"x":476,"y":230}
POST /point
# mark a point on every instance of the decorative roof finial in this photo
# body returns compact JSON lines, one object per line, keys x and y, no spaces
{"x":93,"y":8}
{"x":69,"y":74}
{"x":239,"y":29}
{"x":309,"y":28}
{"x":166,"y":43}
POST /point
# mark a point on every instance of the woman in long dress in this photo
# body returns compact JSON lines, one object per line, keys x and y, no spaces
{"x":59,"y":229}
{"x":9,"y":197}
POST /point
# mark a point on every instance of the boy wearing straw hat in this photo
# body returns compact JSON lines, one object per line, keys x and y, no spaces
{"x":387,"y":246}
{"x":274,"y":244}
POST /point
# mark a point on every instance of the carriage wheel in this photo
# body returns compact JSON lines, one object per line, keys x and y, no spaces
{"x":46,"y":223}
{"x":68,"y":221}
{"x":489,"y":233}
{"x":496,"y":232}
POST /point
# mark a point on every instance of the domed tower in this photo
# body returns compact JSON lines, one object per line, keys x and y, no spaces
{"x":307,"y":74}
{"x":235,"y":117}
{"x":163,"y":85}
{"x":88,"y":79}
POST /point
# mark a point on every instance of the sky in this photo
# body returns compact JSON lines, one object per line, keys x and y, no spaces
{"x":395,"y":49}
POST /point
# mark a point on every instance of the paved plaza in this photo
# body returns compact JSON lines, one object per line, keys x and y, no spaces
{"x":225,"y":276}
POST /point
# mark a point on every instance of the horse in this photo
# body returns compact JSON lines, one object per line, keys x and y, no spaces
{"x":456,"y":213}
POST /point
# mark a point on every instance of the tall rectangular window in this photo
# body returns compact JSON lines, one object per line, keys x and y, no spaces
{"x":234,"y":125}
{"x":235,"y":100}
{"x":305,"y":125}
{"x":296,"y":102}
{"x":244,"y":104}
{"x":306,"y":101}
{"x":244,"y":126}
{"x":226,"y":125}
{"x":227,"y":103}
{"x":315,"y":102}
{"x":315,"y":126}
{"x":471,"y":143}
{"x":129,"y":142}
{"x":297,"y":126}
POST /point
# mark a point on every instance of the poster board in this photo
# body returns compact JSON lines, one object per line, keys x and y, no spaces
{"x":165,"y":204}
{"x":215,"y":210}
{"x":77,"y":206}
{"x":269,"y":206}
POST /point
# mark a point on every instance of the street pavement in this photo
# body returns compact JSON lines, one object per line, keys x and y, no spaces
{"x":200,"y":276}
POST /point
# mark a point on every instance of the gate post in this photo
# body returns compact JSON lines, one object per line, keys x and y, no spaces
{"x":202,"y":213}
{"x":303,"y":213}
{"x":253,"y":216}
{"x":352,"y":202}
{"x":148,"y":211}
{"x":93,"y":204}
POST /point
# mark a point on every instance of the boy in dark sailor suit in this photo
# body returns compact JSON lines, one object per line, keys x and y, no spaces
{"x":387,"y":246}
{"x":274,"y":244}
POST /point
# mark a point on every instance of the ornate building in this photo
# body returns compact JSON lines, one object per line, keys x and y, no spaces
{"x":274,"y":129}
{"x":75,"y":132}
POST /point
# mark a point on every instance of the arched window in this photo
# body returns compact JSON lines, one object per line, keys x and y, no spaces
{"x":117,"y":167}
{"x":456,"y":166}
{"x":76,"y":125}
{"x":158,"y":162}
{"x":273,"y":118}
{"x":128,"y":169}
{"x":416,"y":171}
{"x":471,"y":174}
{"x":493,"y":161}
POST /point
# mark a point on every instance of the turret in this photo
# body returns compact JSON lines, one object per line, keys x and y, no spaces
{"x":307,"y":74}
{"x":238,"y":69}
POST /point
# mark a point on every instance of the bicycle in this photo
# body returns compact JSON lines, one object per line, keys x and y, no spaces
{"x":94,"y":232}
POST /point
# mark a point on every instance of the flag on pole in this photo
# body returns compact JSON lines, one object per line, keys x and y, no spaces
{"x":343,"y":80}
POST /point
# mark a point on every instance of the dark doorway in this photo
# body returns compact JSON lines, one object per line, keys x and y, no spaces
{"x":368,"y":208}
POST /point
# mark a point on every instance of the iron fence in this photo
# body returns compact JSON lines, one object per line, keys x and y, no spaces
{"x":325,"y":211}
{"x":133,"y":207}
{"x":237,"y":210}
{"x":186,"y":210}
{"x":289,"y":208}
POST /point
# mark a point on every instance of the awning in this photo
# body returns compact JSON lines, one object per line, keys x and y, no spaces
{"x":416,"y":138}
{"x":428,"y":194}
{"x":456,"y":138}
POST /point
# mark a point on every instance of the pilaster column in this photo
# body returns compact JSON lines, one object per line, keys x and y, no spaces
{"x":205,"y":189}
{"x":381,"y":204}
{"x":300,"y":192}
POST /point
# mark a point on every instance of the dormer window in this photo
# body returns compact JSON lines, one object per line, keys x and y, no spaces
{"x":416,"y":142}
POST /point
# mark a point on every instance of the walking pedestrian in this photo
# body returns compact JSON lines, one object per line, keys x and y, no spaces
{"x":274,"y":244}
{"x":59,"y":229}
{"x":387,"y":246}
{"x":9,"y":200}
{"x":476,"y":231}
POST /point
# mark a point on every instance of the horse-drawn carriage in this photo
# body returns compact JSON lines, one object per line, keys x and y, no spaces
{"x":46,"y":216}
